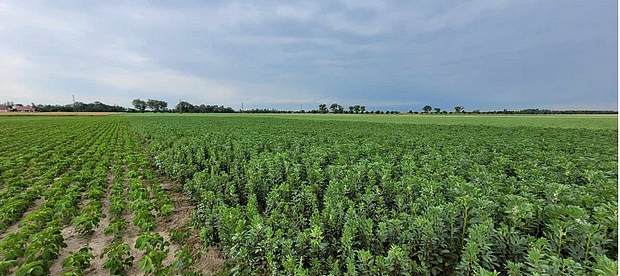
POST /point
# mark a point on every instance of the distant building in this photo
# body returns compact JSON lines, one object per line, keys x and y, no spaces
{"x":24,"y":108}
{"x":4,"y":108}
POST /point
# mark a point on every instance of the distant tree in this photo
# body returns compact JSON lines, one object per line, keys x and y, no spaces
{"x":163,"y":105}
{"x":437,"y":110}
{"x":427,"y":108}
{"x":410,"y":111}
{"x":333,"y":107}
{"x":351,"y":109}
{"x":157,"y":105}
{"x":458,"y":109}
{"x":138,"y":104}
{"x":363,"y":109}
{"x":336,"y":108}
{"x":356,"y":108}
{"x":322,"y":108}
{"x":151,"y":104}
{"x":185,"y":107}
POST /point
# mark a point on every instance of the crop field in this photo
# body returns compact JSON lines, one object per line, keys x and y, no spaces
{"x":309,"y":195}
{"x":78,"y":197}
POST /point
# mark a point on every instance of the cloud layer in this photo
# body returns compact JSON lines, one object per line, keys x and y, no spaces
{"x":481,"y":54}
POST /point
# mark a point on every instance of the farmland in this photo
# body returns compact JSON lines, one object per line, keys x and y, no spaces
{"x":78,"y":197}
{"x":310,"y":194}
{"x":311,"y":197}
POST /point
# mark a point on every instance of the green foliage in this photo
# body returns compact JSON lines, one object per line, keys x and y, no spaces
{"x":79,"y":261}
{"x":31,"y":268}
{"x":320,"y":196}
{"x":119,"y":258}
{"x":156,"y":250}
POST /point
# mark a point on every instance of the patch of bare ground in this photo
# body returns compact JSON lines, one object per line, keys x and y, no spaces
{"x":209,"y":262}
{"x":15,"y":226}
{"x":130,"y":235}
{"x":99,"y":241}
{"x":74,"y":241}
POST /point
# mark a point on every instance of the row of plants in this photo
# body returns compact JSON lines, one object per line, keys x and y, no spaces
{"x":33,"y":173}
{"x":117,"y":253}
{"x":307,"y":197}
{"x":38,"y":241}
{"x":147,"y":201}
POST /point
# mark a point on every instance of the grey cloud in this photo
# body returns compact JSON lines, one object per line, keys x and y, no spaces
{"x":483,"y":54}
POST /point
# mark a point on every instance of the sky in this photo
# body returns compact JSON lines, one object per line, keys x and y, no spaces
{"x":288,"y":55}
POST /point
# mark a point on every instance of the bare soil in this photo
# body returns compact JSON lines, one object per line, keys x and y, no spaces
{"x":211,"y":260}
{"x":99,"y":241}
{"x":75,"y":241}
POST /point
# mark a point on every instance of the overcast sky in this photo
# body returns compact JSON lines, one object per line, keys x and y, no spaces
{"x":401,"y":55}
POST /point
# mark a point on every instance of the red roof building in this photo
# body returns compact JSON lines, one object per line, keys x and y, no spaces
{"x":4,"y":108}
{"x":24,"y":109}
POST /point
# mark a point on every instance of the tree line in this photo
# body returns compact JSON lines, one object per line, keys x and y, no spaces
{"x":79,"y":107}
{"x":154,"y":105}
{"x":185,"y":107}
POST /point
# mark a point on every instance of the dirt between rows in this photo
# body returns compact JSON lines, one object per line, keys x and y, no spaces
{"x":209,"y":262}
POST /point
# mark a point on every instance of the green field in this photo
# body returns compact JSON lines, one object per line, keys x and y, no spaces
{"x":560,"y":121}
{"x":317,"y":194}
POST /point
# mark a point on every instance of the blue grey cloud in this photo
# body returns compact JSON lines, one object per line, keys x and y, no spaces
{"x":482,"y":54}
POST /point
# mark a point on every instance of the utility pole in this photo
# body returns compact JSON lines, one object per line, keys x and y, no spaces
{"x":73,"y":96}
{"x":241,"y":106}
{"x":180,"y":106}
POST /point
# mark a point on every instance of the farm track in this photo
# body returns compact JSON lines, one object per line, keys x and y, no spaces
{"x":73,"y":192}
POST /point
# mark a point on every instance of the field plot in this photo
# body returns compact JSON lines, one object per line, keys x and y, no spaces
{"x":78,"y":197}
{"x":315,"y":197}
{"x":588,"y":121}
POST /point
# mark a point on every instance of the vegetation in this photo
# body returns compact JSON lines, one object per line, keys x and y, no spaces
{"x":283,"y":196}
{"x":80,"y":107}
{"x":312,"y":194}
{"x":58,"y":175}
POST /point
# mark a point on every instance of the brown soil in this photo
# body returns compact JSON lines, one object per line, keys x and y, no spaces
{"x":75,"y":241}
{"x":129,"y":237}
{"x":99,"y":241}
{"x":211,"y":261}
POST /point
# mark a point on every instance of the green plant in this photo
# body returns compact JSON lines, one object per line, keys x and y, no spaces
{"x":119,"y":258}
{"x":78,"y":260}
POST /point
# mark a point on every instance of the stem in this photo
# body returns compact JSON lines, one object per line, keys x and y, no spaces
{"x":560,"y":242}
{"x":464,"y":225}
{"x":587,"y":252}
